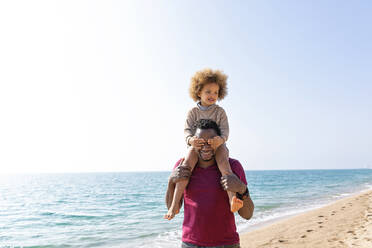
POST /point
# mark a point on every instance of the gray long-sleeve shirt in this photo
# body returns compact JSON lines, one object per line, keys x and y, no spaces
{"x":213,"y":112}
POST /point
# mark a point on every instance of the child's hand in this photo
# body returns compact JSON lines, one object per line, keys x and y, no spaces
{"x":196,"y":142}
{"x":216,"y":142}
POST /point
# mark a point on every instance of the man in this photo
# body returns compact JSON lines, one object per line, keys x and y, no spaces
{"x":208,"y":221}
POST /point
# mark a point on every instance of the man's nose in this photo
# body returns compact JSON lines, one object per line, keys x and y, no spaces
{"x":206,"y":146}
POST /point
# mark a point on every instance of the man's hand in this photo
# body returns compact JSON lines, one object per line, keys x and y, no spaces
{"x":180,"y":173}
{"x":216,"y":142}
{"x":196,"y":142}
{"x":232,"y":183}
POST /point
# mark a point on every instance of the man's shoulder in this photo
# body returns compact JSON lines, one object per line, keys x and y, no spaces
{"x":235,"y":163}
{"x":238,"y":169}
{"x":178,"y":163}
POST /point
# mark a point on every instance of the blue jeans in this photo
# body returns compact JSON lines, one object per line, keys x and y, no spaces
{"x":188,"y":245}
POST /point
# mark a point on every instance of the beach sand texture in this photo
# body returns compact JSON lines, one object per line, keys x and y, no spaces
{"x":344,"y":223}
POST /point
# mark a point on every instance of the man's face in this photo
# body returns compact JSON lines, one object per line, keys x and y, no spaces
{"x":206,"y":153}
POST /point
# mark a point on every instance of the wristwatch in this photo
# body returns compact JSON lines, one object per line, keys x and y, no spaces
{"x":244,"y":195}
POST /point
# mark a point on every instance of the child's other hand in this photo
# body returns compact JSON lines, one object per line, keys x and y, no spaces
{"x":196,"y":142}
{"x":216,"y":142}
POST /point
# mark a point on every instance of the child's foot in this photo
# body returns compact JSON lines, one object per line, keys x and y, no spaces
{"x":235,"y":204}
{"x":171,"y":213}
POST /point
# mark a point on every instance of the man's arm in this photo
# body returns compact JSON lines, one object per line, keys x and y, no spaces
{"x":234,"y":184}
{"x":246,"y":211}
{"x":178,"y":174}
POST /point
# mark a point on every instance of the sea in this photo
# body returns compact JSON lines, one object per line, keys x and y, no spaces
{"x":127,"y":209}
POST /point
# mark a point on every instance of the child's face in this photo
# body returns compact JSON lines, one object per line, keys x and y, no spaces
{"x":209,"y":94}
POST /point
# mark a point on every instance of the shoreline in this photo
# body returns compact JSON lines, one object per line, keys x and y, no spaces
{"x":295,"y":212}
{"x":341,"y":223}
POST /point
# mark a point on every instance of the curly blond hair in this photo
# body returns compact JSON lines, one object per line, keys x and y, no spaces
{"x":207,"y":76}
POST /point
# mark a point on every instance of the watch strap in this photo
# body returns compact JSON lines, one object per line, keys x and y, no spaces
{"x":244,"y":195}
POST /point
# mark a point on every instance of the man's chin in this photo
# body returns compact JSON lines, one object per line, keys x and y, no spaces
{"x":206,"y":159}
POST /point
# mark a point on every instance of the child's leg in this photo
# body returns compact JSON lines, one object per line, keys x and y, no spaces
{"x":190,"y":161}
{"x":222,"y":158}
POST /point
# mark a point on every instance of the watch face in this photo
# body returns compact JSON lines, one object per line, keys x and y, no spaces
{"x":246,"y":193}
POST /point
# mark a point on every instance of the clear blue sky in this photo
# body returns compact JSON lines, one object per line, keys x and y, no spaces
{"x":102,"y":85}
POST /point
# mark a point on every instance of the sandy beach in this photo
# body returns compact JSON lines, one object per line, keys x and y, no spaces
{"x":344,"y":223}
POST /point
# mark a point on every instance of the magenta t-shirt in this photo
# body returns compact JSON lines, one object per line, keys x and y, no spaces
{"x":208,"y":220}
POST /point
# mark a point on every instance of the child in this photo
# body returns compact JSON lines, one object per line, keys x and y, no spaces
{"x":207,"y":86}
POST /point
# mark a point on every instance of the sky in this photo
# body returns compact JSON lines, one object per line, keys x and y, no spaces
{"x":99,"y":86}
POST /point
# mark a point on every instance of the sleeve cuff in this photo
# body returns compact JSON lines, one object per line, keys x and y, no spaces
{"x":187,"y":140}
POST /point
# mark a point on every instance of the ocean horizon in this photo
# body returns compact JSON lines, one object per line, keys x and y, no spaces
{"x":125,"y":209}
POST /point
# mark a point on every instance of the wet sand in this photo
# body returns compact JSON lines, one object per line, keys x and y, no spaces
{"x":344,"y":223}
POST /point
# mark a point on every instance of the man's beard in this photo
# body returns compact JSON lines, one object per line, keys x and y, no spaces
{"x":206,"y":160}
